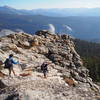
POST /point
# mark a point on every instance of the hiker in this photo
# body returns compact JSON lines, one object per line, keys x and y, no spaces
{"x":44,"y":68}
{"x":9,"y":64}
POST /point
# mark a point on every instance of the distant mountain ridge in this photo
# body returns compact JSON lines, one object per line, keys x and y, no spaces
{"x":83,"y":27}
{"x":53,"y":12}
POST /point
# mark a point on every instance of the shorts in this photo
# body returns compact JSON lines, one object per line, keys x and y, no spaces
{"x":10,"y":68}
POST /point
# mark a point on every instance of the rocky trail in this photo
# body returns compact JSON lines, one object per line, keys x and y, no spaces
{"x":67,"y":78}
{"x":35,"y":86}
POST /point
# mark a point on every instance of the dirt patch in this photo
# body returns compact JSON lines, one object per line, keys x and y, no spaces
{"x":98,"y":97}
{"x":69,"y":81}
{"x":2,"y":74}
{"x":25,"y":74}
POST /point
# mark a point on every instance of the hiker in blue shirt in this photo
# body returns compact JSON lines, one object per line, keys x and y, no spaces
{"x":9,"y":64}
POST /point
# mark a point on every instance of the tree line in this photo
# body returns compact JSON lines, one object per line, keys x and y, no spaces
{"x":90,"y":54}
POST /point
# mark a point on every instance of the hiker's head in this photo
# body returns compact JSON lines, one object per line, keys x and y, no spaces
{"x":11,"y":55}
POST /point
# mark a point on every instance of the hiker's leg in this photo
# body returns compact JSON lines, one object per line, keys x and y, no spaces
{"x":9,"y":72}
{"x":13,"y":71}
{"x":44,"y":74}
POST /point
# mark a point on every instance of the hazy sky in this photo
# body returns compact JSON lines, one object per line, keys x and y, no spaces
{"x":33,"y":4}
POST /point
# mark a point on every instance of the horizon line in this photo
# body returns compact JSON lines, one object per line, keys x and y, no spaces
{"x":7,"y":6}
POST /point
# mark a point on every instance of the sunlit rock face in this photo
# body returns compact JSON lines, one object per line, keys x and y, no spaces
{"x":67,"y":78}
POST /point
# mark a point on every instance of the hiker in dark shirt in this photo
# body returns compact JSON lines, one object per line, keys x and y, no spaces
{"x":44,"y":68}
{"x":9,"y":64}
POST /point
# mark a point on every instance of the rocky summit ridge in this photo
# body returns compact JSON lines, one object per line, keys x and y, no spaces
{"x":67,"y":78}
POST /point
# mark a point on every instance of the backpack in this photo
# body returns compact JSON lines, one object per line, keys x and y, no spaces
{"x":8,"y":63}
{"x":44,"y":67}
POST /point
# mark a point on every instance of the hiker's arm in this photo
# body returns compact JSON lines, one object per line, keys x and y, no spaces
{"x":15,"y":62}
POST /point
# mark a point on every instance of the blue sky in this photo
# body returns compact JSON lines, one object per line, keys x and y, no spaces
{"x":34,"y":4}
